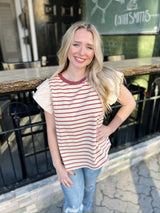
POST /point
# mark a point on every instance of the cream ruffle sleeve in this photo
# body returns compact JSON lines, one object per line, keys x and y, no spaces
{"x":43,"y":96}
{"x":115,"y":87}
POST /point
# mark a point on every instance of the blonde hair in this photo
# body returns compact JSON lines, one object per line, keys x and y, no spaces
{"x":105,"y":80}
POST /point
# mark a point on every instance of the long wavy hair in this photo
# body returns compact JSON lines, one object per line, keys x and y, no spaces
{"x":105,"y":80}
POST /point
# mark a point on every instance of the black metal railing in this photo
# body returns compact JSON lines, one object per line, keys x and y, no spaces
{"x":144,"y":121}
{"x":137,"y":128}
{"x":25,"y":156}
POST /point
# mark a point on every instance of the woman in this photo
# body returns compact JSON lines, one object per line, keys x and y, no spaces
{"x":75,"y":100}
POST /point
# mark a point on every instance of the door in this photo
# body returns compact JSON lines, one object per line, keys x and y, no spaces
{"x":9,"y":39}
{"x":52,"y":19}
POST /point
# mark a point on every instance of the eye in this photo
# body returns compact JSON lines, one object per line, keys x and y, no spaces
{"x":90,"y":48}
{"x":75,"y":44}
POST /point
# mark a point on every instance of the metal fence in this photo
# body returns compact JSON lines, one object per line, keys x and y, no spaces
{"x":24,"y":149}
{"x":25,"y":155}
{"x":144,"y":121}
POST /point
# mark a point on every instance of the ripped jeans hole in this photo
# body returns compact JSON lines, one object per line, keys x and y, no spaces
{"x":74,"y":209}
{"x":90,"y":188}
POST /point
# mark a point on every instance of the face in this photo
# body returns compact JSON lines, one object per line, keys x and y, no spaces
{"x":81,"y":51}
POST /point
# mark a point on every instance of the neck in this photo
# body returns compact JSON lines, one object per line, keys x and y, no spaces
{"x":74,"y":75}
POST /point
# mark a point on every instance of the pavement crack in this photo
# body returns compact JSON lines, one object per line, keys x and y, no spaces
{"x":103,"y":195}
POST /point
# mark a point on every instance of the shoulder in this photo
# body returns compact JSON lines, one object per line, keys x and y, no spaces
{"x":43,"y":85}
{"x":43,"y":90}
{"x":112,"y":80}
{"x":43,"y":96}
{"x":112,"y":73}
{"x":54,"y":79}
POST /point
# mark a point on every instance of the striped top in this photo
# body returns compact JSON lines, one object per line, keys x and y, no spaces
{"x":78,"y":112}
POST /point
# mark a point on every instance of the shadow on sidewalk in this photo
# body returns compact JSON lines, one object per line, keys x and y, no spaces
{"x":145,"y":178}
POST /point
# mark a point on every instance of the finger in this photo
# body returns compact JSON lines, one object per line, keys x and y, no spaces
{"x":99,"y":130}
{"x":69,"y":179}
{"x":99,"y":136}
{"x":66,"y":184}
{"x":71,"y":172}
{"x":70,"y":182}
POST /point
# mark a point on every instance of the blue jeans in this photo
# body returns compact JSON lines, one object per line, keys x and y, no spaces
{"x":79,"y":197}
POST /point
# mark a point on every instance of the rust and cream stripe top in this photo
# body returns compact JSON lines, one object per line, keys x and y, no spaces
{"x":78,"y":112}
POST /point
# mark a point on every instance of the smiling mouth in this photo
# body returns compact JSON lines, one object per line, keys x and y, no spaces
{"x":80,"y":60}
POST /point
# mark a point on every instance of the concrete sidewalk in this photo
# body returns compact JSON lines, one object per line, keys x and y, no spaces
{"x":133,"y":190}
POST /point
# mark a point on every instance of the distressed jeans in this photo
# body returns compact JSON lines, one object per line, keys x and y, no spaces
{"x":79,"y":197}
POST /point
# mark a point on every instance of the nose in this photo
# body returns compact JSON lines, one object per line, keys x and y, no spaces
{"x":82,"y":50}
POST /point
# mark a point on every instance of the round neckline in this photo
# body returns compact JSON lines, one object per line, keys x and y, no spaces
{"x":71,"y":82}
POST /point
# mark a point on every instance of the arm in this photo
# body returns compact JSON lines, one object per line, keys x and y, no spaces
{"x":54,"y":150}
{"x":128,"y":104}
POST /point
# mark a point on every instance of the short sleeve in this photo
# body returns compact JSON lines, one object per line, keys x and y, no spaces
{"x":43,"y":96}
{"x":115,"y":88}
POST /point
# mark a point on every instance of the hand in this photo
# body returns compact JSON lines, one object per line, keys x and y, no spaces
{"x":63,"y":176}
{"x":103,"y":132}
